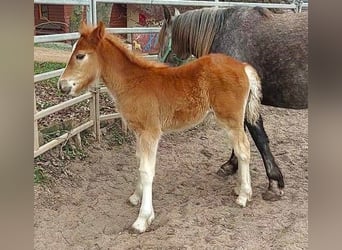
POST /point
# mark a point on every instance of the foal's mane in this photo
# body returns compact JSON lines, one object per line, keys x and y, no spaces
{"x":196,"y":28}
{"x":134,"y":57}
{"x":117,"y":42}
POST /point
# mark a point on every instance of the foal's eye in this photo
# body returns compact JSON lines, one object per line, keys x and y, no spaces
{"x":80,"y":56}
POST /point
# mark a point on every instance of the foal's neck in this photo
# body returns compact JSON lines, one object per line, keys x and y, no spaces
{"x":119,"y":66}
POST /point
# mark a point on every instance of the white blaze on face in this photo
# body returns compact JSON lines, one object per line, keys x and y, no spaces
{"x":69,"y":84}
{"x":65,"y":84}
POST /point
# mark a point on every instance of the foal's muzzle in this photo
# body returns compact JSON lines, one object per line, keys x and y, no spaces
{"x":64,"y":86}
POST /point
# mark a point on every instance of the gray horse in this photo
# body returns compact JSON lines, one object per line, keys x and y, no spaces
{"x":275,"y":44}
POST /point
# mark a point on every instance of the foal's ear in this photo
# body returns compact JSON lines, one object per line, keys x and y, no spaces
{"x":98,"y":33}
{"x":83,"y":27}
{"x":167,"y":14}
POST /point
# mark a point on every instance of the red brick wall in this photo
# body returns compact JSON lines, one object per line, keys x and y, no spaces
{"x":57,"y":13}
{"x":36,"y":14}
{"x":67,"y":14}
{"x":118,"y":17}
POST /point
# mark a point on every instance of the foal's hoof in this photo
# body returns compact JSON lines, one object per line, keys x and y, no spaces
{"x":141,"y":224}
{"x":226,"y":169}
{"x":134,"y":200}
{"x":242,"y":201}
{"x":237,"y":190}
{"x":243,"y":198}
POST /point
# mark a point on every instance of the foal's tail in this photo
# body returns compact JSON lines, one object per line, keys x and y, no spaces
{"x":255,"y":95}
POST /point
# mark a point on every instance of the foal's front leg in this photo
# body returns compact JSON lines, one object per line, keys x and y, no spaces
{"x":148,"y":150}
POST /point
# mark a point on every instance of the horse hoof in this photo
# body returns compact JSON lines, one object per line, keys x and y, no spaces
{"x":242,"y":201}
{"x":133,"y":230}
{"x":134,"y":200}
{"x":271,"y":195}
{"x":226,"y":170}
{"x":237,"y":190}
{"x":141,"y":224}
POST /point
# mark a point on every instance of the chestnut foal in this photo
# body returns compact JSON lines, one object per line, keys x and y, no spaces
{"x":153,"y":98}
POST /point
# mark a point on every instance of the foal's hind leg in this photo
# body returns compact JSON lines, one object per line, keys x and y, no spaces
{"x":242,"y":150}
{"x":260,"y":138}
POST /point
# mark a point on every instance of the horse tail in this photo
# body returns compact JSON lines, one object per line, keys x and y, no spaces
{"x":255,"y":95}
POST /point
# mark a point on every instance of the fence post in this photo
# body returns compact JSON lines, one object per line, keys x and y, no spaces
{"x":90,"y":12}
{"x":94,"y":12}
{"x":95,"y":110}
{"x":299,"y":5}
{"x":35,"y":125}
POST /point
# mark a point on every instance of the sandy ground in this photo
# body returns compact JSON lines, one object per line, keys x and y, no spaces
{"x":42,"y":54}
{"x":194,"y":207}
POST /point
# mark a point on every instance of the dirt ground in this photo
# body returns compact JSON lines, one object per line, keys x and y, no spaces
{"x":41,"y":54}
{"x":194,"y":207}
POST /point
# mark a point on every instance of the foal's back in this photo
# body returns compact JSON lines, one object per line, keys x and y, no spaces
{"x":183,"y":96}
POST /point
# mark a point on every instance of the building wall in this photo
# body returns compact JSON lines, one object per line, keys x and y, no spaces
{"x":118,"y":17}
{"x":67,"y":14}
{"x":36,"y":14}
{"x":56,"y":13}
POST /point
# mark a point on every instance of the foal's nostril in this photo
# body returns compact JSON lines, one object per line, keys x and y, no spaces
{"x":64,"y":86}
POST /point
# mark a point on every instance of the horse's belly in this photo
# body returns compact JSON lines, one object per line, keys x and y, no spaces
{"x":184,"y":119}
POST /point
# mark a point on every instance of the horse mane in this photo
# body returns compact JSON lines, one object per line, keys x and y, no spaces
{"x":134,"y":57}
{"x":196,"y":28}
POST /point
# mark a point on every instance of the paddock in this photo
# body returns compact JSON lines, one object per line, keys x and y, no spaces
{"x":86,"y":206}
{"x":88,"y":209}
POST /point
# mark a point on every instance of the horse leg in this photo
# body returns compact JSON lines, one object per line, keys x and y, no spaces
{"x":260,"y":138}
{"x":242,"y":150}
{"x":147,"y":151}
{"x":135,"y":198}
{"x":273,"y":172}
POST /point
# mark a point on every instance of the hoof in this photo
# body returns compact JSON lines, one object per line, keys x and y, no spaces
{"x":271,"y":195}
{"x":242,"y":201}
{"x":141,"y":224}
{"x":134,"y":200}
{"x":237,"y":190}
{"x":133,"y":230}
{"x":226,"y":170}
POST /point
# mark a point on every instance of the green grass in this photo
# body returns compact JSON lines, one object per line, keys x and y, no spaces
{"x":74,"y":152}
{"x":57,"y":46}
{"x":42,"y":67}
{"x":38,"y":176}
